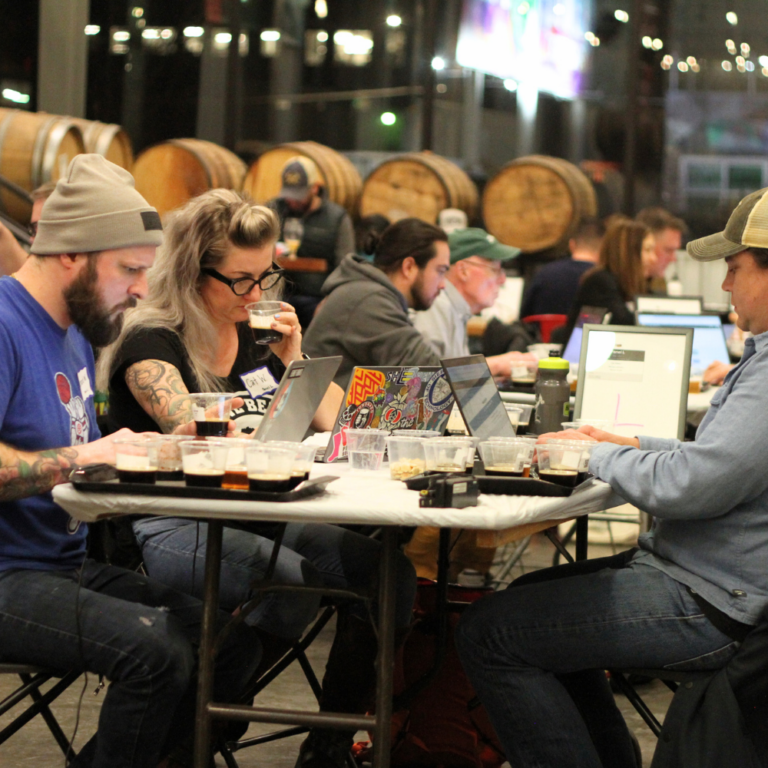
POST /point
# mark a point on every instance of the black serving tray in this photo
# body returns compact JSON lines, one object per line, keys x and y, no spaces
{"x":102,"y":478}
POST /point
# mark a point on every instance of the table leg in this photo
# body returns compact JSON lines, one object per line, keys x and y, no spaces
{"x":207,"y":646}
{"x":582,"y":535}
{"x":386,"y":657}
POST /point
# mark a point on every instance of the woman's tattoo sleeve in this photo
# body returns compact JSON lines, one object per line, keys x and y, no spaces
{"x":160,"y":391}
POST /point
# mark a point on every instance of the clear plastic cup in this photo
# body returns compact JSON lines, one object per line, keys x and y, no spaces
{"x":303,"y":459}
{"x":560,"y":463}
{"x":510,"y":457}
{"x":236,"y":474}
{"x":169,"y":456}
{"x":204,"y":462}
{"x":261,"y":315}
{"x":514,"y":412}
{"x":524,"y":418}
{"x":136,"y":460}
{"x":269,"y":467}
{"x":365,"y":448}
{"x":448,"y":454}
{"x":406,"y":456}
{"x":605,"y":424}
{"x":523,"y":372}
{"x":211,"y":412}
{"x":423,"y":433}
{"x":586,"y":447}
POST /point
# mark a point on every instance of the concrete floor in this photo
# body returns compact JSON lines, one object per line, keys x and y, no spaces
{"x":33,"y":746}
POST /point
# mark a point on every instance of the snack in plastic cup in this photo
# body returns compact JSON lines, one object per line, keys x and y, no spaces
{"x":204,"y":462}
{"x":406,"y":456}
{"x":365,"y":448}
{"x":136,"y":460}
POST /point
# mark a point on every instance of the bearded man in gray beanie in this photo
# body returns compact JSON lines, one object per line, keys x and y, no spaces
{"x":96,"y":240}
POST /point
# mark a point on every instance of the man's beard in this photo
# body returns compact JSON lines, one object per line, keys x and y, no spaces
{"x":87,"y":311}
{"x":420,"y":302}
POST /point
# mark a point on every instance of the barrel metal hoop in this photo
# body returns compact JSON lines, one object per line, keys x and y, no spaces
{"x":105,"y":138}
{"x":41,"y":154}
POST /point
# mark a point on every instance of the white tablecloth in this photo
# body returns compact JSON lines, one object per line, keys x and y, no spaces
{"x":370,"y":498}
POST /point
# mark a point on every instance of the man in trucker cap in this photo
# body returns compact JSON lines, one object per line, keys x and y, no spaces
{"x":685,"y":598}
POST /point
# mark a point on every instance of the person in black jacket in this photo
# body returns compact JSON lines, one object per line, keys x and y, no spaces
{"x":627,"y":257}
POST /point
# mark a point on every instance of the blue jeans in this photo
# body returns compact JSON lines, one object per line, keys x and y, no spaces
{"x":139,"y":634}
{"x":536,"y":652}
{"x":311,"y":554}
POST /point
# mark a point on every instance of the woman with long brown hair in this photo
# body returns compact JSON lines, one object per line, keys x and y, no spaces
{"x":627,"y":258}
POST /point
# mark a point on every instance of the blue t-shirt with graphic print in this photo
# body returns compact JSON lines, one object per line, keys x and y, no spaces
{"x":46,"y":401}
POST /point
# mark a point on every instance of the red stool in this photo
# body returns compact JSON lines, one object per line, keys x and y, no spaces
{"x":547,"y":324}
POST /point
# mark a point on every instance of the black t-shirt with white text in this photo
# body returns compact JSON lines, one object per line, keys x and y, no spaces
{"x":255,"y":370}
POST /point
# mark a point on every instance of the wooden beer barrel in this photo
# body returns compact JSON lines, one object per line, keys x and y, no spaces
{"x":35,"y":147}
{"x":341,"y":178}
{"x":107,"y":139}
{"x":418,"y":184}
{"x":537,"y":202}
{"x":175,"y":171}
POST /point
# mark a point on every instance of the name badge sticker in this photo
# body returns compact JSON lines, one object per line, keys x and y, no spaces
{"x":85,"y":384}
{"x":259,"y":381}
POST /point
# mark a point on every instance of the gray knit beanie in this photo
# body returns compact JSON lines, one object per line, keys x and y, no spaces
{"x":95,"y":207}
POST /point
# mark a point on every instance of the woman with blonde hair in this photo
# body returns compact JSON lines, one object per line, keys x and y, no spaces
{"x":191,"y":335}
{"x":627,"y":258}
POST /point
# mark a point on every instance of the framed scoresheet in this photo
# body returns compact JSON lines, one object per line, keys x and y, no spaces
{"x":636,"y":378}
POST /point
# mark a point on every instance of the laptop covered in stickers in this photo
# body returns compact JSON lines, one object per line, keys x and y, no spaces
{"x":391,"y":397}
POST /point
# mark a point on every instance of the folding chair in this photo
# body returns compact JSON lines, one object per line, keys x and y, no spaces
{"x":32,"y":679}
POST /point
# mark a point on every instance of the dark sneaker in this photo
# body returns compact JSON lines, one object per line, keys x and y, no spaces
{"x":325,"y":748}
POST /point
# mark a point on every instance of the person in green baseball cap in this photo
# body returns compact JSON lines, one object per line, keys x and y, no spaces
{"x":472,"y":284}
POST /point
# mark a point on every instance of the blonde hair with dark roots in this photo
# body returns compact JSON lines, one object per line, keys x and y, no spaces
{"x":197,"y":235}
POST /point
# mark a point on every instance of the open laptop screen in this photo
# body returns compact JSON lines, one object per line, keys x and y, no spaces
{"x":672,"y":305}
{"x":478,"y":397}
{"x":586,"y":315}
{"x":708,"y":337}
{"x":636,"y":378}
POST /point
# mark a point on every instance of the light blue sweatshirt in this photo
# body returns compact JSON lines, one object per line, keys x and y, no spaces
{"x":709,"y":498}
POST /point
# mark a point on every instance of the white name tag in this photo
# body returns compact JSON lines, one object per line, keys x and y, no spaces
{"x":85,"y":384}
{"x":259,"y":382}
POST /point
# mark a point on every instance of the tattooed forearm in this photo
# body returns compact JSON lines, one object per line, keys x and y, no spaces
{"x":160,"y":391}
{"x":24,"y":474}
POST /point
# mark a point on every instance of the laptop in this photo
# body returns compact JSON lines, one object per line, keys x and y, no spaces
{"x":636,"y":378}
{"x":296,"y":399}
{"x":708,"y":336}
{"x":391,"y":397}
{"x":669,"y":305}
{"x":478,"y":397}
{"x":594,"y":315}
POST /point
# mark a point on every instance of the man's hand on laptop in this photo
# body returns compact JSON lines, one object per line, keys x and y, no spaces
{"x":591,"y":434}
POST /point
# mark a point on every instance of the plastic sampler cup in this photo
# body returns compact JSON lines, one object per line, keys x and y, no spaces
{"x":236,"y":474}
{"x":211,"y":412}
{"x":586,"y":447}
{"x":365,"y":448}
{"x":204,"y":462}
{"x":406,"y":456}
{"x":422,"y":433}
{"x":269,"y":467}
{"x":169,"y":456}
{"x":510,"y":457}
{"x":136,"y":460}
{"x":303,"y":459}
{"x":514,"y":412}
{"x":523,"y":372}
{"x":605,"y":424}
{"x":560,"y":462}
{"x":261,"y":315}
{"x":448,"y":454}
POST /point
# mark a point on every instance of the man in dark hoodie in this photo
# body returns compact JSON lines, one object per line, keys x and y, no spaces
{"x":364,"y":316}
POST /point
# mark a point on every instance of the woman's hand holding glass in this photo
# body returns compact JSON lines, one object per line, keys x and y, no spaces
{"x":286,"y":322}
